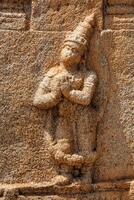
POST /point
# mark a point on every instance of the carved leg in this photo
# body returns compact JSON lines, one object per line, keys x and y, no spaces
{"x":86,"y":175}
{"x":64,"y":140}
{"x":63,"y":151}
{"x":86,"y":134}
{"x":64,"y":132}
{"x":59,"y":152}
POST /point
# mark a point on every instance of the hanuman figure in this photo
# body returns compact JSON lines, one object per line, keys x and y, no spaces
{"x":69,"y":87}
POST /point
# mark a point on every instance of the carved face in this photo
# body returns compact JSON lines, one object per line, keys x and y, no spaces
{"x":71,"y":54}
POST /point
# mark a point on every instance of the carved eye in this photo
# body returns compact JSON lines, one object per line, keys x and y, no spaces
{"x":67,"y":47}
{"x":83,"y":40}
{"x":74,"y":50}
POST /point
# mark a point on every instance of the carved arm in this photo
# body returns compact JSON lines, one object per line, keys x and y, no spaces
{"x":46,"y":100}
{"x":85,"y":95}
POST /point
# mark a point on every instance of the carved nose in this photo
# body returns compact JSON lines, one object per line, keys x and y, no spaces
{"x":68,"y":53}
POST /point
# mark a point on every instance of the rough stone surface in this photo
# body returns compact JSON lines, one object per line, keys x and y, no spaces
{"x":31,"y":38}
{"x":118,"y":126}
{"x":59,"y":13}
{"x":22,"y":134}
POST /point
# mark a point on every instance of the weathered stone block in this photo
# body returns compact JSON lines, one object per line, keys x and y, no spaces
{"x":15,"y":15}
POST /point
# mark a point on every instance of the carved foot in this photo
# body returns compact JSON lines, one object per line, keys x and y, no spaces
{"x":68,"y":159}
{"x":62,"y":180}
{"x":86,"y":175}
{"x":75,"y":160}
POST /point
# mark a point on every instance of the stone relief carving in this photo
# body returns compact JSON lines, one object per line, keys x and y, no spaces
{"x":69,"y":87}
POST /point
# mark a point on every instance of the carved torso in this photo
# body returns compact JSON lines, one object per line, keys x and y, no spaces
{"x":57,"y":76}
{"x":70,"y":87}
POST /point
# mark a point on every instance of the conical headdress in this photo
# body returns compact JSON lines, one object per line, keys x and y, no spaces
{"x":80,"y":36}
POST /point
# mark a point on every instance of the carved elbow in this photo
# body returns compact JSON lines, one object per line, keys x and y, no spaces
{"x":36,"y":101}
{"x":86,"y":102}
{"x":44,"y":103}
{"x":85,"y":99}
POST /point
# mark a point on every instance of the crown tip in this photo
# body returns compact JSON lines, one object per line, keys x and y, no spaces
{"x":90,"y":19}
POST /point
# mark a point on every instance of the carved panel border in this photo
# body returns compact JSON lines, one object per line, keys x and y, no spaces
{"x":15,"y":14}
